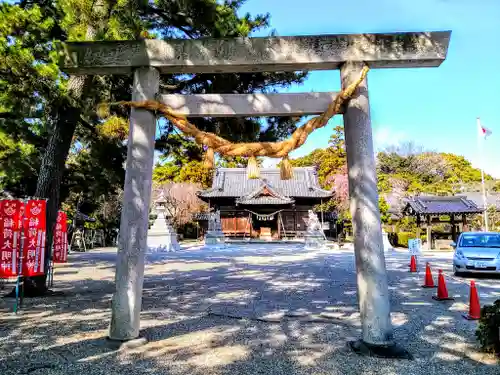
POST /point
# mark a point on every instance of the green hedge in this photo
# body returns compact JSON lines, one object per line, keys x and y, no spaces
{"x":488,"y":330}
{"x":403,"y":237}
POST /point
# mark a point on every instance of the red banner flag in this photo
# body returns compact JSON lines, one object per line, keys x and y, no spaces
{"x":34,"y":238}
{"x":61,"y":239}
{"x":10,"y":235}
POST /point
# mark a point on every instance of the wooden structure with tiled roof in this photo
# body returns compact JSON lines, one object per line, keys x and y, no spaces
{"x":430,"y":209}
{"x":269,"y":203}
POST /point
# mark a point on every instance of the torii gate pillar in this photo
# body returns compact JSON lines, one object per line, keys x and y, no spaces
{"x":129,"y":276}
{"x":373,"y":291}
{"x":325,"y":52}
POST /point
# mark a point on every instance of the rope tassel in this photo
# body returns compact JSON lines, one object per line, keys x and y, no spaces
{"x":225,"y":147}
{"x":286,"y":170}
{"x":209,"y":160}
{"x":253,"y":171}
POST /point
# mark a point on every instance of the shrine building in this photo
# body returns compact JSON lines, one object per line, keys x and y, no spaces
{"x":267,"y":207}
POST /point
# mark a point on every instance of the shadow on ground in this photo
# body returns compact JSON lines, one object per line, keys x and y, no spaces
{"x":248,"y":309}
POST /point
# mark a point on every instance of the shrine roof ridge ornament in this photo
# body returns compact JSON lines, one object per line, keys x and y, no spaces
{"x":287,"y":53}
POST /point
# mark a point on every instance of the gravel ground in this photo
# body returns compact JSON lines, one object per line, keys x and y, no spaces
{"x":246,"y":309}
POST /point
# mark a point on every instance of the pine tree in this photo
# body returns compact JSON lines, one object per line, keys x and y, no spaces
{"x":41,"y":106}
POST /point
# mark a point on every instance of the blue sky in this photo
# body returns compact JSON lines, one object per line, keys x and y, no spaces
{"x":434,"y":107}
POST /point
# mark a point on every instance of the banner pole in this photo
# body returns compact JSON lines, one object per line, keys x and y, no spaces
{"x":52,"y":270}
{"x":50,"y":249}
{"x":49,"y":276}
{"x":23,"y":240}
{"x":19,"y":268}
{"x":19,"y":302}
{"x":52,"y":246}
{"x":51,"y":259}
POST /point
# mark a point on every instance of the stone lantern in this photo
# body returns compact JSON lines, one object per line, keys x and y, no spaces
{"x":315,"y":236}
{"x":161,"y":236}
{"x":214,"y":236}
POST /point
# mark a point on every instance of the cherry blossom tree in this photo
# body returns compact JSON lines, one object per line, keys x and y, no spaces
{"x":181,"y":201}
{"x":340,"y":186}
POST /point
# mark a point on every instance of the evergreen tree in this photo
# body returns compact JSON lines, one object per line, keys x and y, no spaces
{"x":47,"y":116}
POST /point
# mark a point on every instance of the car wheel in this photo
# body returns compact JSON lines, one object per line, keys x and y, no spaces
{"x":456,"y":272}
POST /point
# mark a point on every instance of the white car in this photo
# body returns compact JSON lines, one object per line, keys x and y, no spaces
{"x":477,"y":252}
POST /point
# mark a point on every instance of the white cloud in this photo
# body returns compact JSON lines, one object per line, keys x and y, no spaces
{"x":385,"y":136}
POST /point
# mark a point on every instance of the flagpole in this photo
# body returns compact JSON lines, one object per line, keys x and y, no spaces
{"x":485,"y":204}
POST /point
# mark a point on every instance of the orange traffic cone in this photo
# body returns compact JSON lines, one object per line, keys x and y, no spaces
{"x":442,"y":292}
{"x":474,"y":306}
{"x":429,"y":281}
{"x":413,"y":264}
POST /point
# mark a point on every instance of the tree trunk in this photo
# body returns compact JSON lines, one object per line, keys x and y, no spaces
{"x":54,"y":158}
{"x":51,"y":172}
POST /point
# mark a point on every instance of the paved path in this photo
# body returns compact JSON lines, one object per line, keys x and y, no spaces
{"x":246,"y":309}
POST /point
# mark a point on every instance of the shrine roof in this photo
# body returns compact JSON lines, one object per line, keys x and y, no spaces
{"x":264,"y":194}
{"x":263,"y":200}
{"x":233,"y":183}
{"x":436,"y":205}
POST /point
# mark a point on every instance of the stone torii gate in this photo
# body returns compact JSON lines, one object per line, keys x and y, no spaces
{"x":147,"y":59}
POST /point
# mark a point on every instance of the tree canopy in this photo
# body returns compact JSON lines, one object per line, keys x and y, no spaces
{"x":403,"y":170}
{"x":419,"y":171}
{"x":29,"y":32}
{"x":53,"y":144}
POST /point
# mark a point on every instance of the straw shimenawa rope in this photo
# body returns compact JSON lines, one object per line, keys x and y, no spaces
{"x":222,"y":146}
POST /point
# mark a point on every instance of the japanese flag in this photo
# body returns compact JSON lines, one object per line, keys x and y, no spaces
{"x":483,"y":132}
